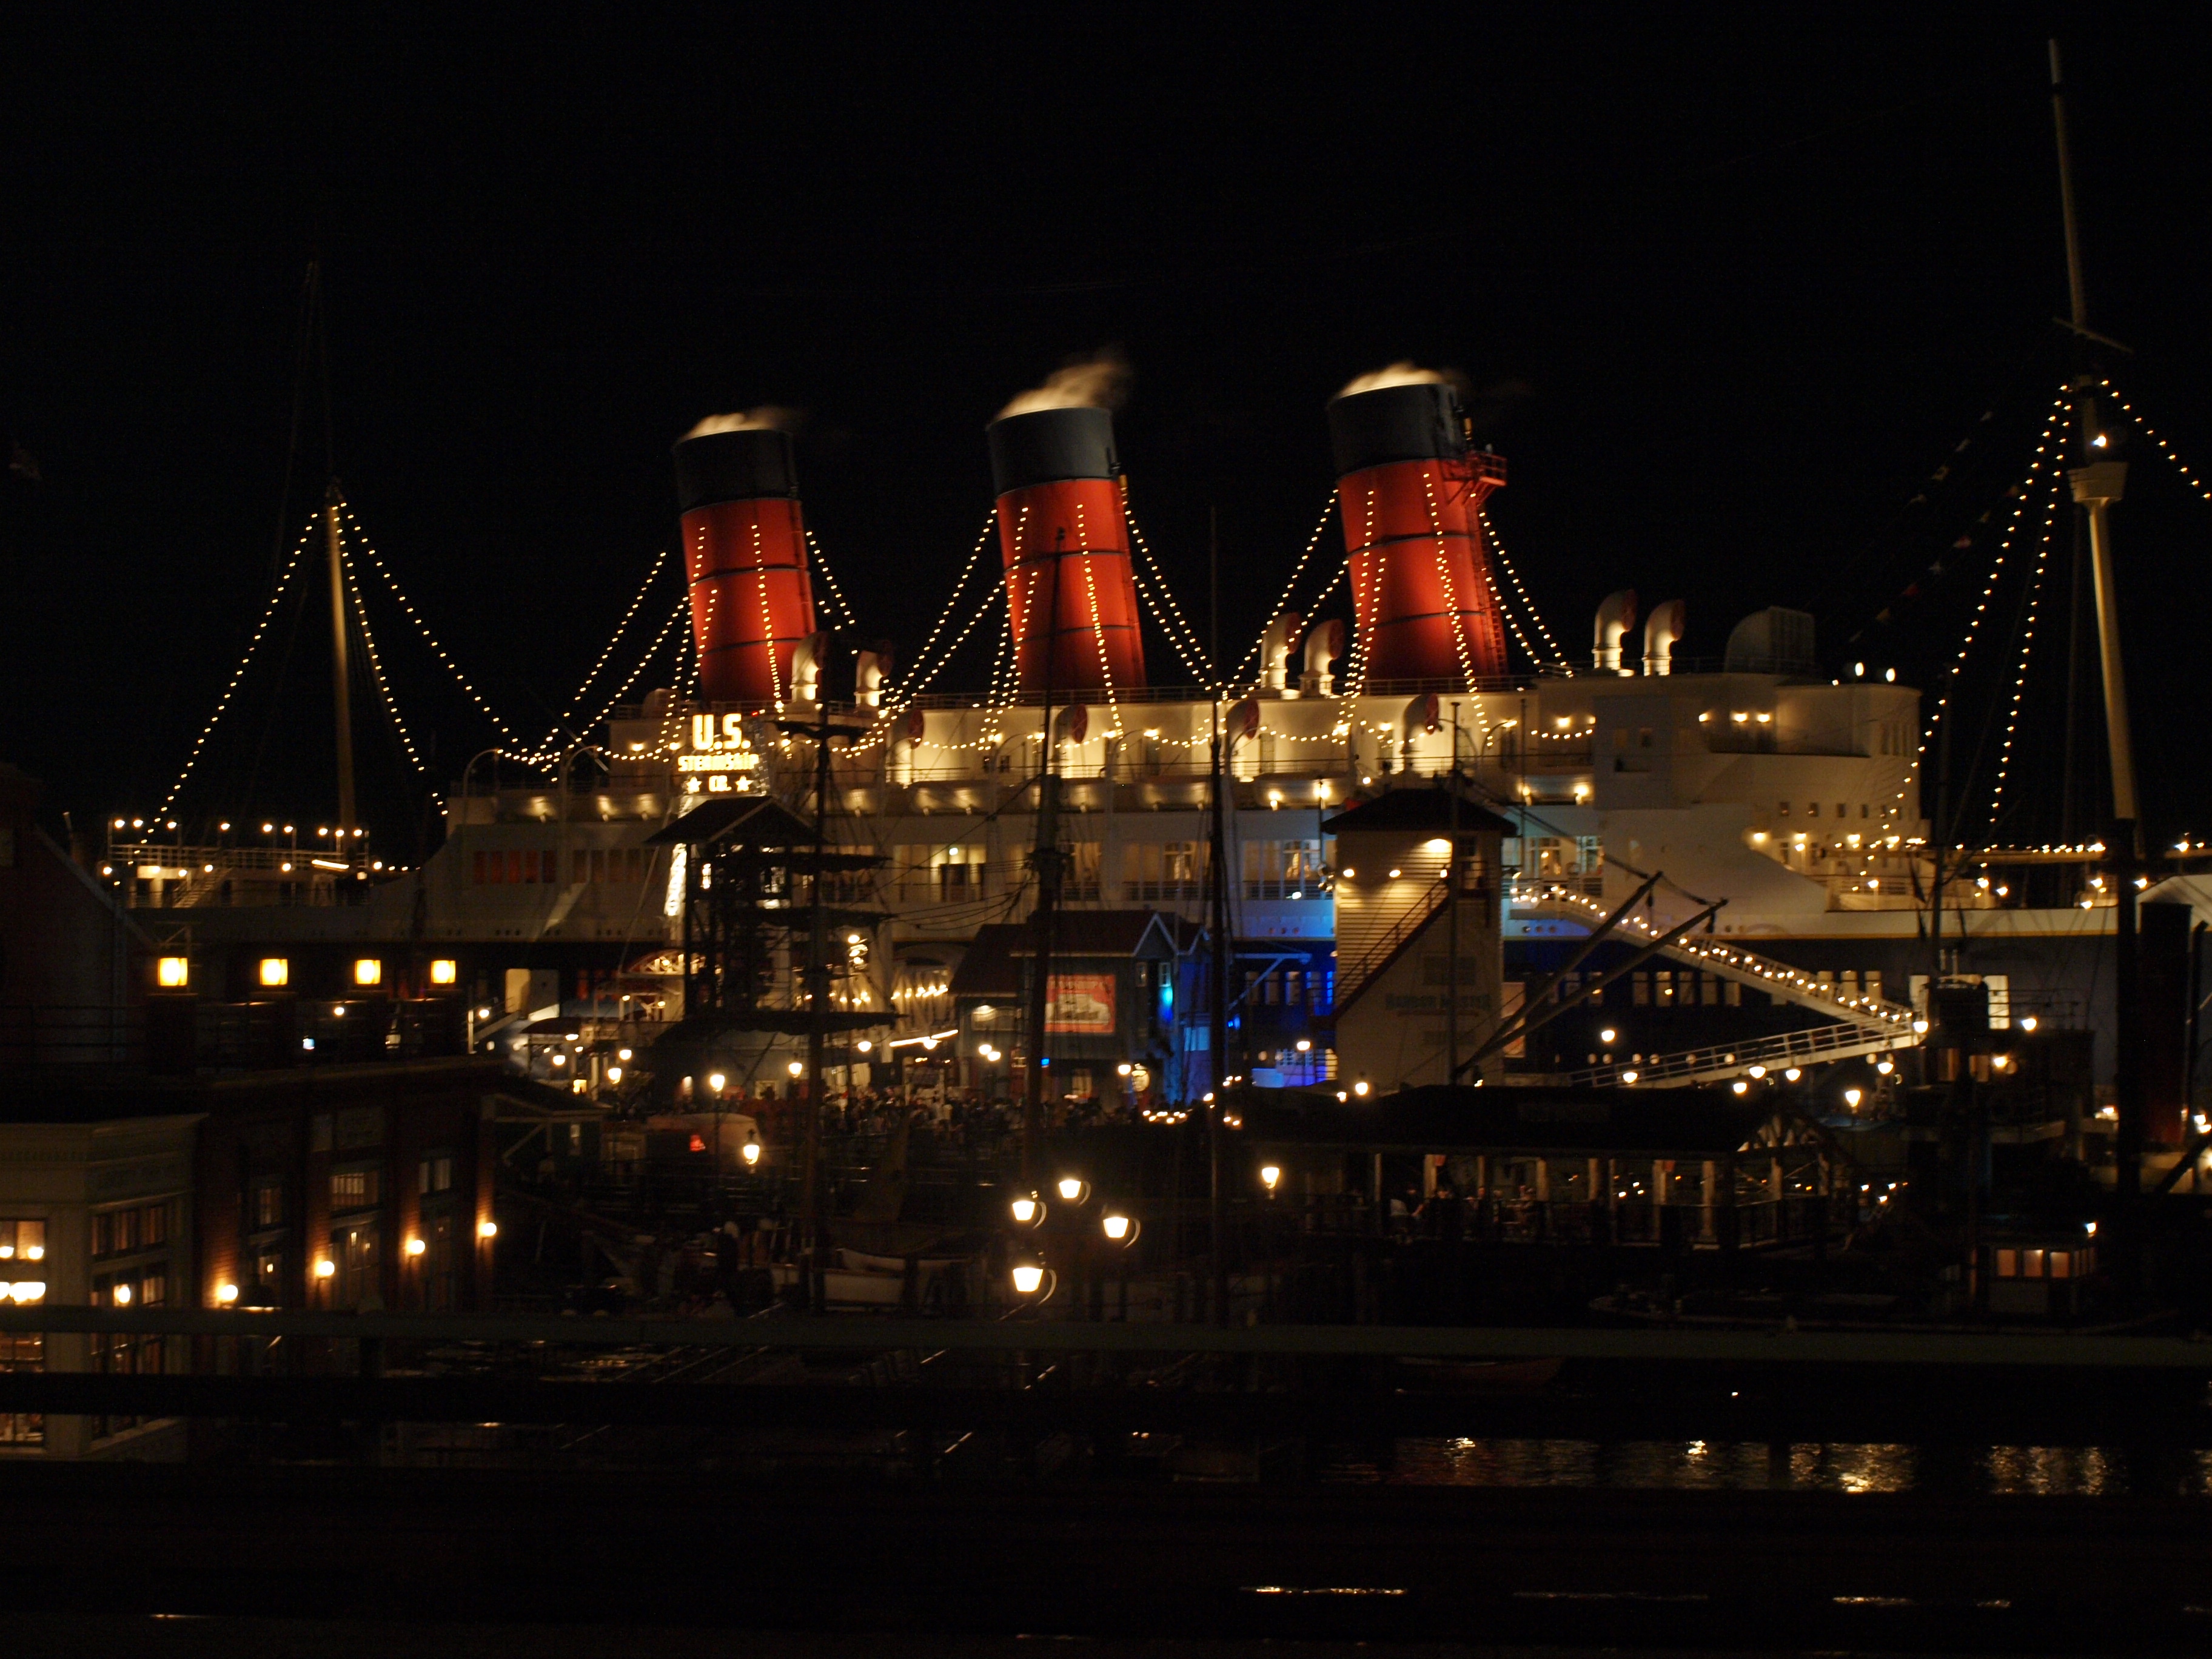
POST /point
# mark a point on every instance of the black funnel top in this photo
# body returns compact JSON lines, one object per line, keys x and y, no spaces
{"x":1048,"y":445}
{"x":734,"y":466}
{"x":1418,"y":422}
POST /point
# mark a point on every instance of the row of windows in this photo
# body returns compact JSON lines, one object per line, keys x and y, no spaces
{"x":357,"y":1189}
{"x":1287,"y":988}
{"x":354,"y":1189}
{"x":22,"y":1240}
{"x":142,"y":1227}
{"x":1842,"y":809}
{"x":2046,"y":1264}
{"x":541,"y":866}
{"x":23,"y":1351}
{"x":1689,"y":988}
{"x":140,"y":1287}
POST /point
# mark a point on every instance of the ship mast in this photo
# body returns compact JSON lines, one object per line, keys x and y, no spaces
{"x":2098,"y":482}
{"x":341,"y":684}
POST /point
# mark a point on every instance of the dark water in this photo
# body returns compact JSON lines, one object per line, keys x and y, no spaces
{"x":1748,"y":1466}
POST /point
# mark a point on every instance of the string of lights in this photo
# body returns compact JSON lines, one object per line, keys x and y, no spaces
{"x":1002,"y":662}
{"x":703,"y":630}
{"x":353,"y":526}
{"x":620,"y":628}
{"x":1451,"y":599}
{"x":1098,"y":625}
{"x":907,"y":693}
{"x":1167,"y":594}
{"x":1867,"y":1010}
{"x":768,"y":619}
{"x":246,"y":661}
{"x":1194,"y":665}
{"x":814,"y":551}
{"x":1559,"y":657}
{"x":542,"y":756}
{"x":2025,"y":490}
{"x":376,"y":662}
{"x":912,"y":684}
{"x":2164,"y":447}
{"x":2027,"y":649}
{"x":1289,"y":587}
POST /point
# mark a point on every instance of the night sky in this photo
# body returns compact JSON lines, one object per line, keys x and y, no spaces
{"x":1727,"y":290}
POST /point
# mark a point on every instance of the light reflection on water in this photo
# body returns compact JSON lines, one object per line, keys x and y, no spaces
{"x":1755,"y":1465}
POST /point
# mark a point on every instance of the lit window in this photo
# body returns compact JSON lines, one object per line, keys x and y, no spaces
{"x":173,"y":973}
{"x":276,"y":971}
{"x":353,"y":1189}
{"x":444,"y":971}
{"x":368,"y":971}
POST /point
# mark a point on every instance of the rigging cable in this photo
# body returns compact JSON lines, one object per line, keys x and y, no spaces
{"x":422,"y":627}
{"x":376,"y":663}
{"x":814,"y":550}
{"x":260,"y":628}
{"x":2165,"y":448}
{"x":2033,"y":601}
{"x":541,"y":757}
{"x":1160,"y":581}
{"x":1290,"y":587}
{"x":1535,"y":617}
{"x":2025,"y":490}
{"x":909,"y":686}
{"x":576,"y":697}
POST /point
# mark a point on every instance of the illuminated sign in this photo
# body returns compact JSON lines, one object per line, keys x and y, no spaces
{"x":1080,"y":1002}
{"x":719,"y":749}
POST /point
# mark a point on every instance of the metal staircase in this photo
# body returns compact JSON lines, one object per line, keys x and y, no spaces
{"x":1813,"y":1045}
{"x":1351,"y":982}
{"x":1778,"y":980}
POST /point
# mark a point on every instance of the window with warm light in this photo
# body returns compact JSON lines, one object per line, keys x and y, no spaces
{"x":354,"y":1189}
{"x":274,"y":971}
{"x":444,"y":971}
{"x":173,"y":973}
{"x":368,"y":971}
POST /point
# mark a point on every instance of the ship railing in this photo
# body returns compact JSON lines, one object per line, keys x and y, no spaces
{"x":300,"y":862}
{"x":1842,"y":1041}
{"x":1778,"y":980}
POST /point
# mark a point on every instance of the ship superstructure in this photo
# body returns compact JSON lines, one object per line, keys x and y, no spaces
{"x":1778,"y":807}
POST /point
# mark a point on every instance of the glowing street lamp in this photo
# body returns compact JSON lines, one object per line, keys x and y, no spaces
{"x":1270,"y":1175}
{"x":1073,"y":1189}
{"x":1118,"y":1228}
{"x":1028,"y":1210}
{"x":751,"y":1150}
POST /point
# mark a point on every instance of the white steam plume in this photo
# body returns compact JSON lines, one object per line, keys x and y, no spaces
{"x":1401,"y":373}
{"x":1099,"y":382}
{"x":745,"y":419}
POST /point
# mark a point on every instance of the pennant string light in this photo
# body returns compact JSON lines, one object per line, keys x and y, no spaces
{"x":2027,"y":646}
{"x":576,"y":697}
{"x":1289,"y":587}
{"x":913,"y":681}
{"x":2164,"y":447}
{"x":353,"y":525}
{"x":1559,"y":657}
{"x":2025,"y":490}
{"x":260,"y":628}
{"x":821,"y":564}
{"x":1167,"y":594}
{"x":547,"y":753}
{"x":376,"y":662}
